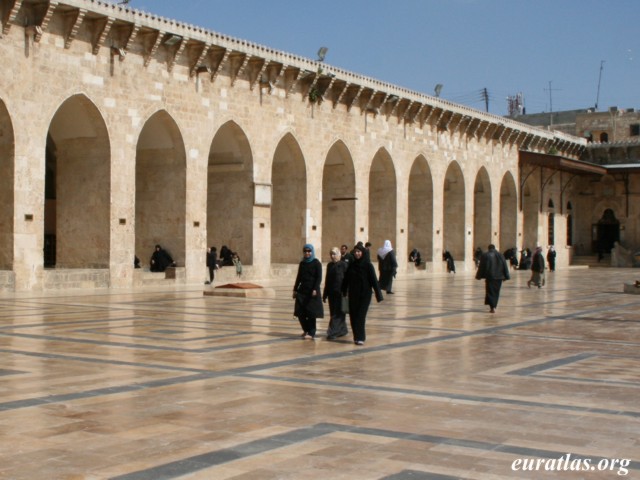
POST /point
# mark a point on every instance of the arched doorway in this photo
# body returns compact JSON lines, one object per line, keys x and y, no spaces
{"x":77,"y":187}
{"x":551,"y":229}
{"x":454,"y":212}
{"x":7,"y":176}
{"x":607,"y":232}
{"x":508,"y":213}
{"x":482,"y":216}
{"x":338,"y":200}
{"x":382,"y":202}
{"x":289,"y":203}
{"x":160,"y":189}
{"x":229,"y":192}
{"x":420,"y":235}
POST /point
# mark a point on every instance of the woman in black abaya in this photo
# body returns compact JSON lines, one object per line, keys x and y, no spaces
{"x":307,"y":293}
{"x":359,"y":280}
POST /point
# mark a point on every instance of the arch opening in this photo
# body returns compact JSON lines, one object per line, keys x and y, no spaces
{"x":454,"y":213}
{"x":508,"y":213}
{"x":289,"y":202}
{"x":160,"y":205}
{"x":7,"y":177}
{"x":338,"y":200}
{"x":420,"y":234}
{"x":382,"y":201}
{"x":77,"y":187}
{"x":229,"y":192}
{"x":482,"y":212}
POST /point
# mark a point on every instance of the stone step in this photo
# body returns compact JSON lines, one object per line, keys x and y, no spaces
{"x":591,"y":261}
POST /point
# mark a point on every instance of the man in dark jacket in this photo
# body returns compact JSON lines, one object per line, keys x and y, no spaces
{"x":494,"y":269}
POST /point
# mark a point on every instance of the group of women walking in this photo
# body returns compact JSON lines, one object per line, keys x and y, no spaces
{"x":348,"y":288}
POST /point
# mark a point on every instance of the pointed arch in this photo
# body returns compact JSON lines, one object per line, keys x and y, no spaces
{"x":382,"y":200}
{"x":508,"y":213}
{"x":160,"y":204}
{"x":230,"y":193}
{"x":482,"y":213}
{"x":77,"y":187}
{"x":420,"y":235}
{"x":289,"y":201}
{"x":453,"y":218}
{"x":7,"y":176}
{"x":338,"y":199}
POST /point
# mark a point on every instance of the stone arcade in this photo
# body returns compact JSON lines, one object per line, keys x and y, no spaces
{"x":120,"y":130}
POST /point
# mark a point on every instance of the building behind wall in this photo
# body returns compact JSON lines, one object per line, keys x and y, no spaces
{"x":606,"y":207}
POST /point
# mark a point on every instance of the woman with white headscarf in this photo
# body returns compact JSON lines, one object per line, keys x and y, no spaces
{"x":387,"y":266}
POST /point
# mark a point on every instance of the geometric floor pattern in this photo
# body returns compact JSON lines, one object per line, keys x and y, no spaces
{"x":166,"y":383}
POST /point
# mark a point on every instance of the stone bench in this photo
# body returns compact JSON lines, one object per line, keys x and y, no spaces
{"x":175,"y":273}
{"x":633,"y":288}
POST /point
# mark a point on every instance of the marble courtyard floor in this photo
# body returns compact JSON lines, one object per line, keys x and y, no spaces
{"x":162,"y":383}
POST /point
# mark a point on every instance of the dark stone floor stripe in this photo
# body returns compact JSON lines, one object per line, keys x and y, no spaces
{"x":533,"y":369}
{"x":450,"y":396}
{"x":203,"y":461}
{"x":98,"y":392}
{"x":219,"y":457}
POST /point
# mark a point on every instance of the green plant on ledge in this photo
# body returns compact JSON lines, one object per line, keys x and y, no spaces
{"x":314,"y":95}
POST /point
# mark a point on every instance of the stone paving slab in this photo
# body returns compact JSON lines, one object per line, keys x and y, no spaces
{"x":165,"y":382}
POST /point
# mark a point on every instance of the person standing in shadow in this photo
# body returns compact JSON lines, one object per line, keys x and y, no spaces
{"x":551,"y":258}
{"x":212,"y":263}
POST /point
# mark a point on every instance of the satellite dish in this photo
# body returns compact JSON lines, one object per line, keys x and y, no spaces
{"x":438,"y":89}
{"x":322,"y":53}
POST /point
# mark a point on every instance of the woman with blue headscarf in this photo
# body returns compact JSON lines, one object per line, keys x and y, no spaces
{"x":307,"y":292}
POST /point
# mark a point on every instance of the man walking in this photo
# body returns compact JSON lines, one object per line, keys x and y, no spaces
{"x":494,"y":269}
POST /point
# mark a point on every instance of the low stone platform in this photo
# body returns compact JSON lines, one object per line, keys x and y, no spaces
{"x":240,"y":289}
{"x":632,"y":288}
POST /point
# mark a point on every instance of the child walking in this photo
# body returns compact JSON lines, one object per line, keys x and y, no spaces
{"x":238,"y":264}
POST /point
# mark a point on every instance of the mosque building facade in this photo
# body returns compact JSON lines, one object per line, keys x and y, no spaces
{"x":120,"y":130}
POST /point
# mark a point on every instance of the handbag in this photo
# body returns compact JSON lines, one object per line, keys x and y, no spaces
{"x":344,"y":305}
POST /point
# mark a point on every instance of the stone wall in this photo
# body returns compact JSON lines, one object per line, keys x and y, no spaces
{"x":149,"y":149}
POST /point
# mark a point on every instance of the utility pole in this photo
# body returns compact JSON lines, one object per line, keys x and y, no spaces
{"x":599,"y":79}
{"x":485,"y":95}
{"x":551,"y":102}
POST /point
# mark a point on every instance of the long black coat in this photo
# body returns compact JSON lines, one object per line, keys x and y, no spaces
{"x":335,"y":276}
{"x":160,"y":260}
{"x":358,"y":283}
{"x":537,"y":265}
{"x":308,"y":279}
{"x":493,"y":266}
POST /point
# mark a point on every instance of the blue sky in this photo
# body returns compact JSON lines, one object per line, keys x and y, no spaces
{"x":549,"y":50}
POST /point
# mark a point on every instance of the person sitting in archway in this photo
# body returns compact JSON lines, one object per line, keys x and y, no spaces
{"x":160,"y":260}
{"x":415,"y":257}
{"x":226,"y":256}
